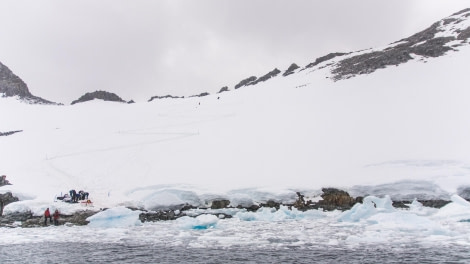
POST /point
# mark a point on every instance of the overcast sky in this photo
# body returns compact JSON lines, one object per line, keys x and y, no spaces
{"x":141,"y":48}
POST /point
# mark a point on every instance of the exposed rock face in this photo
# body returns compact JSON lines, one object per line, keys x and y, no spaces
{"x":12,"y":85}
{"x":335,"y":199}
{"x":290,"y":70}
{"x":219,"y":204}
{"x":6,"y":198}
{"x":431,"y":42}
{"x":200,"y":95}
{"x":266,"y":77}
{"x":103,"y":95}
{"x":162,"y":215}
{"x":223,"y":89}
{"x":27,"y":219}
{"x":464,"y":192}
{"x":10,"y":133}
{"x":324,"y":58}
{"x":3,"y":181}
{"x":245,"y":82}
{"x":163,"y":97}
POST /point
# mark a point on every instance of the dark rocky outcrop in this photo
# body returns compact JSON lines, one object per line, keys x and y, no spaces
{"x":200,"y":95}
{"x":165,"y":96}
{"x":102,"y":95}
{"x":290,"y":70}
{"x":10,"y":133}
{"x":324,"y":58}
{"x":219,"y":204}
{"x":438,"y":203}
{"x":27,"y":219}
{"x":5,"y":199}
{"x":11,"y":85}
{"x":245,"y":82}
{"x":424,"y":43}
{"x":4,"y":181}
{"x":266,"y":77}
{"x":271,"y":204}
{"x":223,"y":89}
{"x":335,"y":199}
{"x":464,"y":192}
{"x":162,"y":215}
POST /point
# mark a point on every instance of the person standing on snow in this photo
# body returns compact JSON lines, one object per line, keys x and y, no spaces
{"x":56,"y":217}
{"x":47,"y":214}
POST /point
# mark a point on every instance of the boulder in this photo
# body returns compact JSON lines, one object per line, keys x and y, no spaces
{"x":5,"y":199}
{"x":335,"y":199}
{"x":219,"y":204}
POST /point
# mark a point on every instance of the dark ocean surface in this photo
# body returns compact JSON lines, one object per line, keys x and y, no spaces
{"x":134,"y":253}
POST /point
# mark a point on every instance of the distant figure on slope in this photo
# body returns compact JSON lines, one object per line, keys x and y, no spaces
{"x":47,"y":214}
{"x":56,"y":217}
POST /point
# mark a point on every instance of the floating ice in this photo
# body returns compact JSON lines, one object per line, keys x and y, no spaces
{"x":115,"y":217}
{"x":200,"y":222}
{"x":458,"y":210}
{"x":283,"y":214}
{"x":370,"y":206}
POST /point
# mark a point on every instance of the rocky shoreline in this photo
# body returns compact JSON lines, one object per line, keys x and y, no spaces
{"x":332,"y":199}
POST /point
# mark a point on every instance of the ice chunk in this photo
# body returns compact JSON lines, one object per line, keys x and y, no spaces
{"x":115,"y":217}
{"x":200,"y":222}
{"x":457,"y":210}
{"x":370,"y":206}
{"x":283,"y":214}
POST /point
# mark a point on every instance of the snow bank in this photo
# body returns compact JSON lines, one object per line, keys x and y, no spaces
{"x":115,"y":217}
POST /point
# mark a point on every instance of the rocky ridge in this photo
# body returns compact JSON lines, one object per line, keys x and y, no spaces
{"x":11,"y":85}
{"x":102,"y":95}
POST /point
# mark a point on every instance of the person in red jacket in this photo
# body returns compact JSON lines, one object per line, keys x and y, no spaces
{"x":56,"y":217}
{"x":47,"y":214}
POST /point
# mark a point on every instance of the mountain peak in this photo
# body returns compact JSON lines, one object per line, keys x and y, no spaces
{"x":11,"y":85}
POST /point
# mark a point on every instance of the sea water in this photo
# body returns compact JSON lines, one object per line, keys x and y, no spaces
{"x":56,"y":252}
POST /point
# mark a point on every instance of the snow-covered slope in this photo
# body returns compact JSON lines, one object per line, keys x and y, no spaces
{"x":295,"y":133}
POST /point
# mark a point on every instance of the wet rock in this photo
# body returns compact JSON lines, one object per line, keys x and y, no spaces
{"x":220,"y":204}
{"x":335,"y":199}
{"x":78,"y":218}
{"x":300,"y":203}
{"x":162,"y":215}
{"x":426,"y":203}
{"x":271,"y":204}
{"x":434,"y":203}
